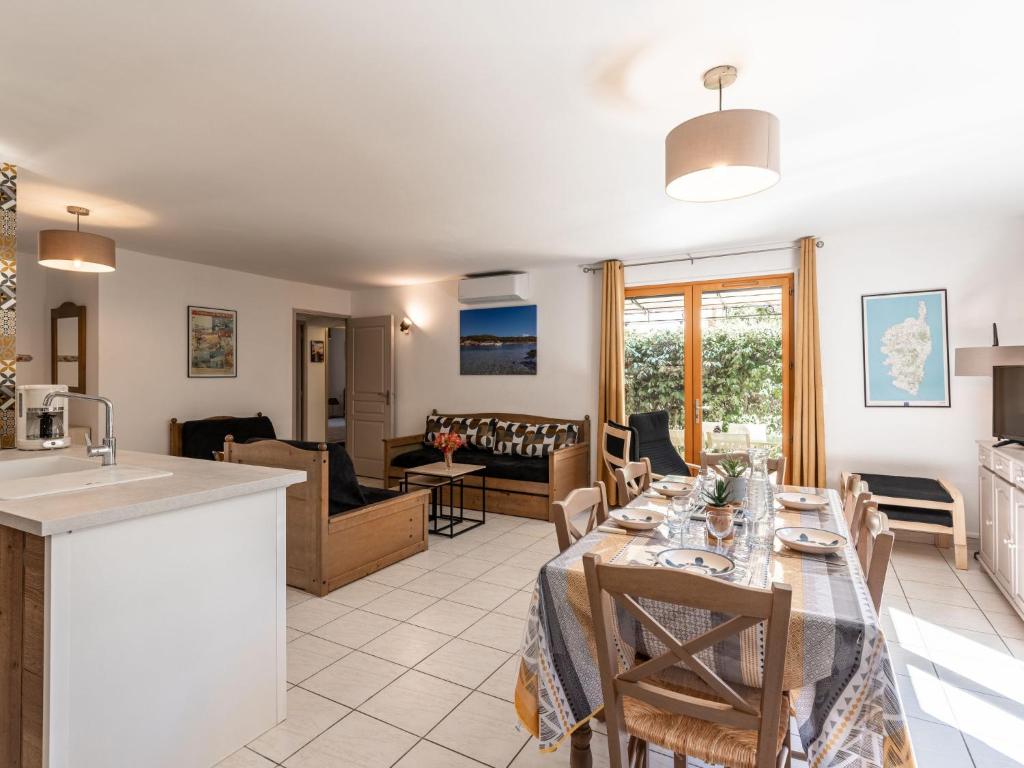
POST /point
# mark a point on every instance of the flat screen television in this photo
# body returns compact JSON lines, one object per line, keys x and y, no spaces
{"x":1008,"y":404}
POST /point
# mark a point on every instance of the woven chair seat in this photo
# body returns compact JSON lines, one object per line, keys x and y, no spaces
{"x":711,"y":742}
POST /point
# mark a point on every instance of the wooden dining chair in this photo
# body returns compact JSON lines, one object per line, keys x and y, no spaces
{"x":849,"y":483}
{"x":775,"y":464}
{"x":633,"y":479}
{"x":864,"y":506}
{"x":591,"y":501}
{"x":874,"y":550}
{"x":616,"y":445}
{"x":675,"y":700}
{"x":853,"y":507}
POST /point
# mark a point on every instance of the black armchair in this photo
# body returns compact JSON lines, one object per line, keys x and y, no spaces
{"x":653,"y":442}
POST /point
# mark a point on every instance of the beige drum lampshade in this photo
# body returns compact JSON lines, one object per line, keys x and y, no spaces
{"x":722,"y":155}
{"x":74,"y":250}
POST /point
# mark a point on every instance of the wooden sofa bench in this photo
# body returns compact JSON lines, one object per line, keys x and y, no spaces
{"x":330,"y":542}
{"x":516,"y":485}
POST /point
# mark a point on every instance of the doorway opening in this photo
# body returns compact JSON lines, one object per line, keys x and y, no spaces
{"x":320,"y":373}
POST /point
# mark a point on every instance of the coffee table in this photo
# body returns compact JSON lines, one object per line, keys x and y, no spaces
{"x":437,"y":477}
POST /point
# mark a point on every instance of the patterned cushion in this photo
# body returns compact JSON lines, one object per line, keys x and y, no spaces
{"x":476,"y":432}
{"x":437,"y":425}
{"x":533,"y":439}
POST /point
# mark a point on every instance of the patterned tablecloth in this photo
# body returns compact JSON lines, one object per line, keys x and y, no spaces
{"x":837,"y":666}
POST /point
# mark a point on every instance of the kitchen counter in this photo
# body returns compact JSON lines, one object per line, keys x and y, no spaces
{"x":142,"y":623}
{"x":192,"y":482}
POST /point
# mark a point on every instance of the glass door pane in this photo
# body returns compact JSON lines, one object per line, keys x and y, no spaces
{"x":741,"y":346}
{"x":655,"y":340}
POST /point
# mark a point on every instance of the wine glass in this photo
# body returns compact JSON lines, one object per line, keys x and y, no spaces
{"x":719,"y":525}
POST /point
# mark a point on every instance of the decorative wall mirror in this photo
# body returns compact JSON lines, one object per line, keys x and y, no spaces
{"x":67,"y":346}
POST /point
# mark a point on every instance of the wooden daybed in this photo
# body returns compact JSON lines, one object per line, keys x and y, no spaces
{"x":325,"y":550}
{"x":517,"y":485}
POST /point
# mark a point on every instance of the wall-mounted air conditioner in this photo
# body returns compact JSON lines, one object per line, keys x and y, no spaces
{"x":494,"y":288}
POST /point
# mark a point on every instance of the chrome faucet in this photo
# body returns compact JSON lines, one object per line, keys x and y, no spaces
{"x":108,"y":451}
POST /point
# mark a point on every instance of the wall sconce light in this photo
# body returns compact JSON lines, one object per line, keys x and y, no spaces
{"x":405,"y":326}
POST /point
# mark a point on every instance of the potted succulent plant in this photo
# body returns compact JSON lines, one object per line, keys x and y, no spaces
{"x":717,"y":508}
{"x":736,"y":478}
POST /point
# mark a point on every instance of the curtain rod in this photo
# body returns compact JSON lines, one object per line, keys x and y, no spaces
{"x":590,"y":268}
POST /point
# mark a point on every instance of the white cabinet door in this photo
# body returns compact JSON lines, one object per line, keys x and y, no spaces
{"x":1018,"y":517}
{"x":988,"y":529}
{"x":1006,"y":562}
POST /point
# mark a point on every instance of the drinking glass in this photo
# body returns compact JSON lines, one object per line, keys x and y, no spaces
{"x":677,"y":515}
{"x":719,"y":526}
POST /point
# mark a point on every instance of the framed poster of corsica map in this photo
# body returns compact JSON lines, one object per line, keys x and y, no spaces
{"x":906,"y":353}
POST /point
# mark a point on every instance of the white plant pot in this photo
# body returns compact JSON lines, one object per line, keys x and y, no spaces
{"x":737,"y":489}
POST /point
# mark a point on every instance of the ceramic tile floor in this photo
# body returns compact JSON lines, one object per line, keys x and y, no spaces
{"x":414,"y":666}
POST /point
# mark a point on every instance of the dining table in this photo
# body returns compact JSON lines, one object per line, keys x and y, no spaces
{"x":838,"y":672}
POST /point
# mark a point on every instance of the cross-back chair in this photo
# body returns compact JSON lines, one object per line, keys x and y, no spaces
{"x":633,"y":479}
{"x":874,"y":548}
{"x":593,"y":501}
{"x":864,"y":506}
{"x":674,"y":699}
{"x":776,"y":465}
{"x":617,"y":445}
{"x":849,"y":488}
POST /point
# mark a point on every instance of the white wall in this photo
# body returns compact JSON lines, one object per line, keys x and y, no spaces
{"x":316,"y":386}
{"x":143,"y":344}
{"x":336,"y":363}
{"x":427,"y":360}
{"x":979,"y":262}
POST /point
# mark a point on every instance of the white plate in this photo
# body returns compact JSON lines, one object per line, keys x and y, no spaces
{"x":815,"y":541}
{"x":802,"y":500}
{"x":697,"y":560}
{"x":637,"y":519}
{"x":669,"y":489}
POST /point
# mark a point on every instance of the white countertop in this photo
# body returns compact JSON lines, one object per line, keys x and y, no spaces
{"x":193,"y":482}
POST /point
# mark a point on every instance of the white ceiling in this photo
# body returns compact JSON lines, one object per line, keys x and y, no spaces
{"x":353,"y":143}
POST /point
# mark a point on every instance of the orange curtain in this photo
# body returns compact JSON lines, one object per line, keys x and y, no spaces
{"x":611,"y":402}
{"x":808,"y":464}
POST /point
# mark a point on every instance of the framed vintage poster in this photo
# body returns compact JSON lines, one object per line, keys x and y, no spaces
{"x":316,"y":351}
{"x":212,"y":343}
{"x":499,"y":341}
{"x":906,"y":349}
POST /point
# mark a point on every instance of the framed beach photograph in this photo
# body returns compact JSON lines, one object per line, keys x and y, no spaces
{"x":499,"y":341}
{"x":212,"y":343}
{"x":906,"y":349}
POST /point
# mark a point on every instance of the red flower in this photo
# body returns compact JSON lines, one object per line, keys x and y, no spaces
{"x":448,"y":441}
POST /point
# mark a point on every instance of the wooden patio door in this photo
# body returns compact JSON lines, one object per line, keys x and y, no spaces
{"x":733,"y":336}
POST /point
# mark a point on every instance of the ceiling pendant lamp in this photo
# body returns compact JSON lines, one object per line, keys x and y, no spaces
{"x":722,"y":155}
{"x":74,"y":250}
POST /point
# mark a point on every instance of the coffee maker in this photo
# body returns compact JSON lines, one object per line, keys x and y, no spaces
{"x":40,"y":427}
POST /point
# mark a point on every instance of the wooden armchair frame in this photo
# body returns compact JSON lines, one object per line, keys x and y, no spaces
{"x":324,"y":553}
{"x":568,"y":469}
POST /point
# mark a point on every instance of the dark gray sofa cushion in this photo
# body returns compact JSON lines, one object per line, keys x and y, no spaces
{"x":499,"y":465}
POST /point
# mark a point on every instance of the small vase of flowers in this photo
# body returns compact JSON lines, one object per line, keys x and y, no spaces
{"x":448,"y":443}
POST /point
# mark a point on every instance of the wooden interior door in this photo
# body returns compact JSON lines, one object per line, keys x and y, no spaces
{"x":369,"y":374}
